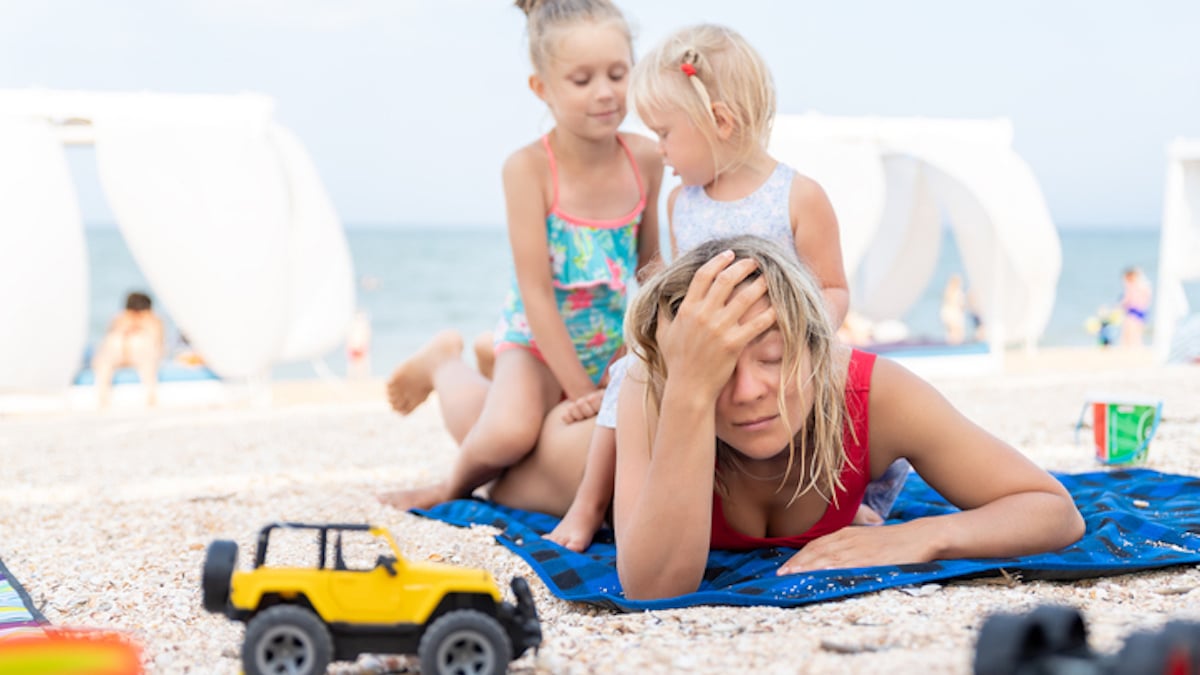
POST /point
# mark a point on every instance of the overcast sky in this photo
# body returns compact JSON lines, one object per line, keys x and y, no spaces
{"x":409,"y":107}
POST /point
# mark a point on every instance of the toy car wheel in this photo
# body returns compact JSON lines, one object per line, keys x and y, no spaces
{"x":219,"y":563}
{"x":528,"y":629}
{"x":286,"y":639}
{"x":1065,"y":631}
{"x":464,"y":642}
{"x":1009,"y":643}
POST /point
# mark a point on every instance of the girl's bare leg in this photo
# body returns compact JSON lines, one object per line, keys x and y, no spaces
{"x":105,"y":362}
{"x":866,"y":516}
{"x":507,"y":430}
{"x":485,"y":354}
{"x":586,"y":513}
{"x":144,"y":355}
{"x":412,"y":381}
{"x":438,"y":367}
{"x":547,"y":479}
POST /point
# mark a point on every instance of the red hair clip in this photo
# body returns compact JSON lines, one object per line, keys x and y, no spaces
{"x":688,"y":69}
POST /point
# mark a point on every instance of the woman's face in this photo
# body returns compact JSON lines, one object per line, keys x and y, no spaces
{"x":747,"y":413}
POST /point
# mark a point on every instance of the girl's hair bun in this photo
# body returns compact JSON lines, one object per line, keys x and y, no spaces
{"x":527,"y":6}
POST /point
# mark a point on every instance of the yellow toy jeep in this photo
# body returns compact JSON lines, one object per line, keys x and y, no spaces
{"x":298,"y":619}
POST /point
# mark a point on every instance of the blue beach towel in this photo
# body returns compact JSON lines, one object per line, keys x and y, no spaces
{"x":1136,"y":520}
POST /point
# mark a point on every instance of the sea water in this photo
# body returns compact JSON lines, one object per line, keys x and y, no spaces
{"x":414,"y":281}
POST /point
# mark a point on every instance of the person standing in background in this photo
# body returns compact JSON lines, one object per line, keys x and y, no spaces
{"x":358,"y":345}
{"x":954,"y":310}
{"x":1135,"y":302}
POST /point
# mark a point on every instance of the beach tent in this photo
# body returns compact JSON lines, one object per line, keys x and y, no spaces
{"x":894,"y":181}
{"x":1179,"y":242}
{"x":220,"y":206}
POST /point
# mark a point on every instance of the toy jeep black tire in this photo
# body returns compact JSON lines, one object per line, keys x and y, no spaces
{"x":286,"y":639}
{"x":219,"y":563}
{"x":464,"y":641}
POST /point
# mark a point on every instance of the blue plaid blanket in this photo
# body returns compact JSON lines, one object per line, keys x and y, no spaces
{"x":1136,"y":520}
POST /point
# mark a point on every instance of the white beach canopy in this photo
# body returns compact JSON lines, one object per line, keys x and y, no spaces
{"x":892,"y":181}
{"x":220,"y":206}
{"x":1179,"y":241}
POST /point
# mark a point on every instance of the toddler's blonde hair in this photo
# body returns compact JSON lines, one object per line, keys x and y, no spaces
{"x":804,"y":327}
{"x":546,"y":18}
{"x":727,"y":70}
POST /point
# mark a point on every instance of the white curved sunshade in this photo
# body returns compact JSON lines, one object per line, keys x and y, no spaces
{"x":999,"y":217}
{"x":43,"y":264}
{"x":850,"y":171}
{"x":902,"y":256}
{"x":320,"y":300}
{"x":203,"y":205}
{"x":1179,"y":241}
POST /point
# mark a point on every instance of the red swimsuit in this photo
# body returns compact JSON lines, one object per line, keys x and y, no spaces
{"x":855,"y":475}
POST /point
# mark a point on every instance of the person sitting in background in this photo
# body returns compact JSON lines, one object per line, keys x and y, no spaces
{"x":135,"y":340}
{"x":856,"y":330}
{"x":1135,"y":301}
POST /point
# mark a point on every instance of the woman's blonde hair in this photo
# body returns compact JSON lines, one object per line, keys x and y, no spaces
{"x":545,"y":18}
{"x":802,"y":322}
{"x":703,"y":65}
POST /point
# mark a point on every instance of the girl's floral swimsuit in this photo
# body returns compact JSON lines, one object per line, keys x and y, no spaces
{"x":592,"y":263}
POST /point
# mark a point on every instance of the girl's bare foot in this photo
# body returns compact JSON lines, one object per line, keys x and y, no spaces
{"x":866,"y":516}
{"x":577,"y":529}
{"x":412,"y":381}
{"x":485,"y":354}
{"x":418,"y":498}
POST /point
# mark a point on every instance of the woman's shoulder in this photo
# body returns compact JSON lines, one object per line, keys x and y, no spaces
{"x":897,"y":391}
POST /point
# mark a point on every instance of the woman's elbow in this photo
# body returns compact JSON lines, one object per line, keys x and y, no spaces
{"x":655,"y":584}
{"x":655,"y":589}
{"x":1074,"y":525}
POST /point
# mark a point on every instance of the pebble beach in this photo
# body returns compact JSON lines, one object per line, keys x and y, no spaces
{"x":105,"y":518}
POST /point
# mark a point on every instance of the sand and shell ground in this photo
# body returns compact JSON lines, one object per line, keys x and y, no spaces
{"x":105,"y":520}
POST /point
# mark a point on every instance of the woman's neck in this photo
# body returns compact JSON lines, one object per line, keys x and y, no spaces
{"x":741,"y":181}
{"x":771,"y":469}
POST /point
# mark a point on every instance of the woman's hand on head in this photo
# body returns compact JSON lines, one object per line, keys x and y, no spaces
{"x":863,"y":546}
{"x":718,"y":317}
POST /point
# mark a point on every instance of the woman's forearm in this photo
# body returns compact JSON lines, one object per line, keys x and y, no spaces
{"x":663,"y":545}
{"x":1021,"y":524}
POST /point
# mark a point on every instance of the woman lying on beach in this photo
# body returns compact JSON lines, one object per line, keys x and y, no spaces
{"x":759,"y":437}
{"x":772,"y":440}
